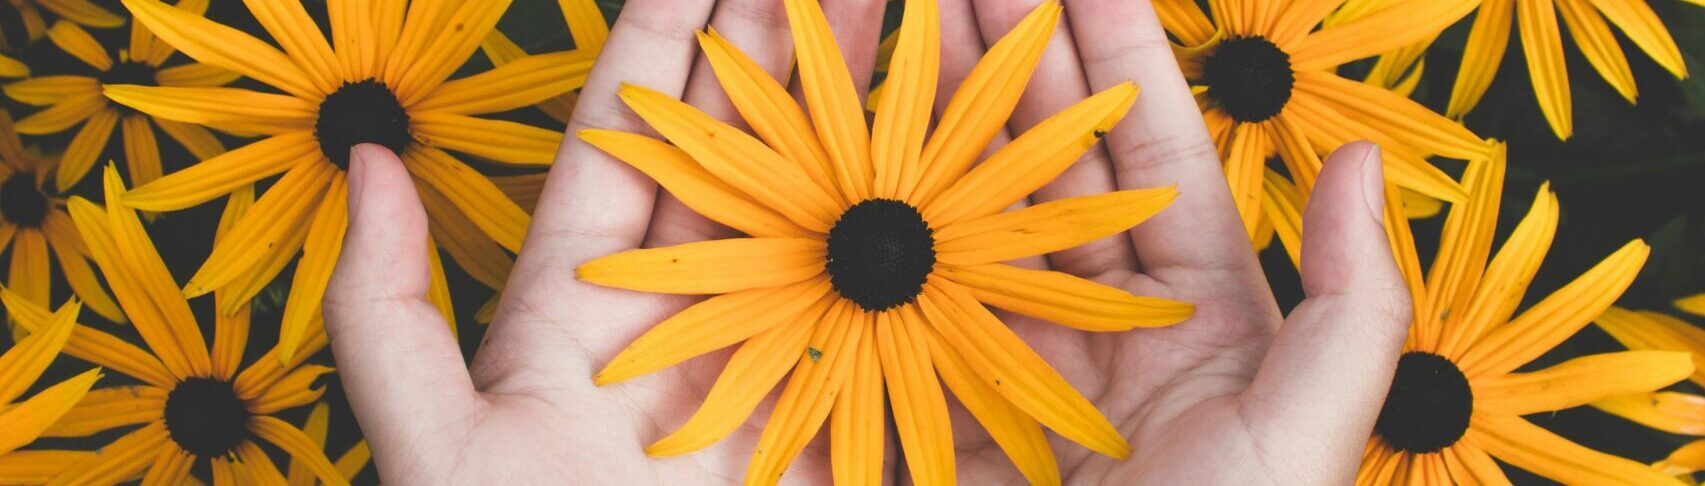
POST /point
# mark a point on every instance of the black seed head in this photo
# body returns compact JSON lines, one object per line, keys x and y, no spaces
{"x":21,"y":202}
{"x":364,"y":111}
{"x":205,"y":417}
{"x":130,"y":72}
{"x":1250,"y":78}
{"x":1429,"y":404}
{"x":880,"y":252}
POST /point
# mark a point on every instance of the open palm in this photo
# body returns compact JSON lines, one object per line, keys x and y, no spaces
{"x":1293,"y":406}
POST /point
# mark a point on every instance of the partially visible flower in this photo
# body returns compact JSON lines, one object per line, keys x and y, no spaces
{"x":82,"y":12}
{"x":381,"y":78}
{"x":1542,"y":46}
{"x":1692,"y":305}
{"x":586,"y":26}
{"x":33,"y":223}
{"x":193,"y":403}
{"x":1456,"y":401}
{"x":1266,"y":82}
{"x":349,"y":464}
{"x":73,"y":99}
{"x":21,"y":423}
{"x":12,"y":68}
{"x":1669,"y":411}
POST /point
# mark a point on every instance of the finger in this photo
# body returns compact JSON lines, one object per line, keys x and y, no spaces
{"x":1163,"y":142}
{"x":961,"y":48}
{"x":1327,"y":372}
{"x":592,"y":204}
{"x":398,"y":361}
{"x":759,"y":29}
{"x":1060,"y":83}
{"x":857,"y":25}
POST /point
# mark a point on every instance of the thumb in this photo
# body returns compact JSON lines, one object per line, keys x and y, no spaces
{"x":1325,"y":377}
{"x":399,"y":364}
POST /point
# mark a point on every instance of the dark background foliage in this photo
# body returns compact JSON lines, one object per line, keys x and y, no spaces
{"x":1631,"y":171}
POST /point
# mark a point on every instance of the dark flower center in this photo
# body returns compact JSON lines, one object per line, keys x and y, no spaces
{"x":206,"y":418}
{"x":361,"y":112}
{"x":21,"y":202}
{"x":880,"y":252}
{"x":129,"y":72}
{"x":1249,"y":77}
{"x":1429,"y":404}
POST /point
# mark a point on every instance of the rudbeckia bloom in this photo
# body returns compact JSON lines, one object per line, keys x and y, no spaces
{"x":348,"y":465}
{"x":1266,"y":83}
{"x":12,"y":68}
{"x":381,"y":79}
{"x":74,"y":99}
{"x":193,"y":404}
{"x":32,"y":223}
{"x":872,"y":251}
{"x":1542,"y":46}
{"x":23,"y":422}
{"x":1673,"y":412}
{"x":83,"y":12}
{"x":1456,"y":401}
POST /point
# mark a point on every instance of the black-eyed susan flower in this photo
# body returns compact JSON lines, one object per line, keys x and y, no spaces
{"x":382,"y":78}
{"x":1694,"y":304}
{"x":194,"y":404}
{"x":872,"y":251}
{"x":72,"y":99}
{"x":1456,"y":401}
{"x":83,"y":12}
{"x":1588,"y":21}
{"x":21,"y":423}
{"x":12,"y":68}
{"x":33,"y":223}
{"x":1669,"y":411}
{"x":349,"y":464}
{"x":1265,"y":80}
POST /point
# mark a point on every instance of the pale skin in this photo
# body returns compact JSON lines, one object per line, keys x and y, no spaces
{"x":1229,"y":396}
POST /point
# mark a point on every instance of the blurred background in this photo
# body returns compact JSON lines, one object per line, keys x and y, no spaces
{"x":1630,"y":171}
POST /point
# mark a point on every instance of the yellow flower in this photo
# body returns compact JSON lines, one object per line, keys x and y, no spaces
{"x":1266,"y":83}
{"x":382,"y":79}
{"x":872,"y":252}
{"x":72,"y":99}
{"x":1693,"y":304}
{"x":192,"y":403}
{"x":1673,"y":412}
{"x":82,"y":12}
{"x":12,"y":68}
{"x":32,"y":223}
{"x":1542,"y":46}
{"x":348,"y":465}
{"x":23,"y":422}
{"x":1456,"y":401}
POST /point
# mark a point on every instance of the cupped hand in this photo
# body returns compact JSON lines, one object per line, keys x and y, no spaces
{"x":1229,"y":395}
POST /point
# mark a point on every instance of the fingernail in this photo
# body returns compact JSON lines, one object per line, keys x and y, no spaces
{"x":355,"y":175}
{"x":1373,"y":181}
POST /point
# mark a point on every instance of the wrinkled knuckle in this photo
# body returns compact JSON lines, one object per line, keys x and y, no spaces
{"x":766,"y":14}
{"x":667,"y":23}
{"x":1149,"y":153}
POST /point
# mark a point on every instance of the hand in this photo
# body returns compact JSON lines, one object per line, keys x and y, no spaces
{"x":1230,"y":396}
{"x":1224,"y":389}
{"x":527,"y":412}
